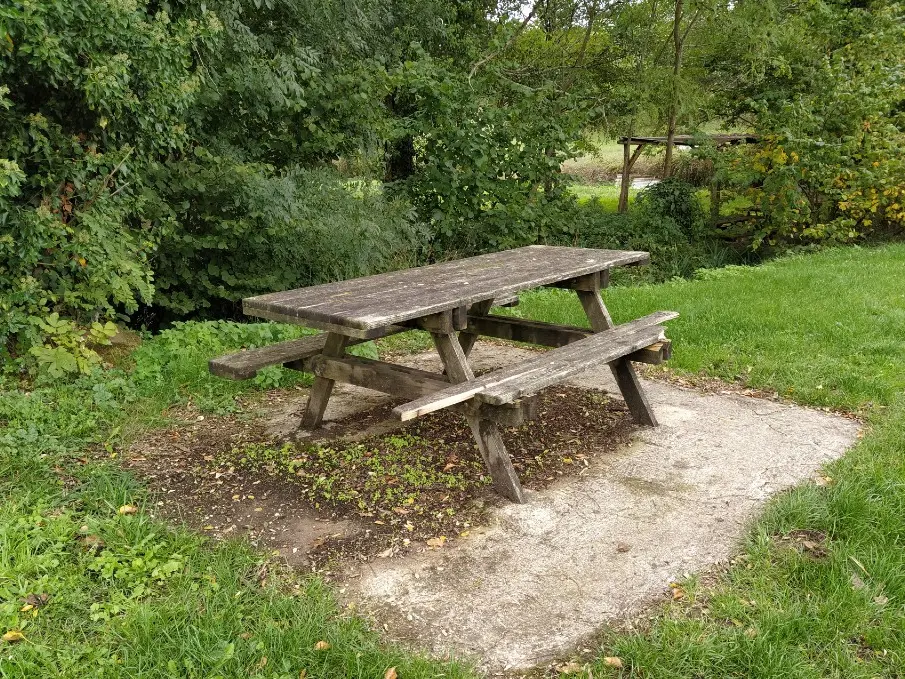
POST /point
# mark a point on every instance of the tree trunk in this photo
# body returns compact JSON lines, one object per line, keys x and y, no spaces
{"x":678,"y":42}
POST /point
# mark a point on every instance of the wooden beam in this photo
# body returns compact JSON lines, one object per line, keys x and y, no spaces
{"x":389,"y":378}
{"x":412,"y":383}
{"x":655,"y":354}
{"x":522,"y":330}
{"x":485,"y":431}
{"x":334,"y":346}
{"x":623,"y":370}
{"x":628,"y":162}
{"x":594,"y":281}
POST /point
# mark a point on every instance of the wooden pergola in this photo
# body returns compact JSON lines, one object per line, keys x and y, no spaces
{"x":629,"y":157}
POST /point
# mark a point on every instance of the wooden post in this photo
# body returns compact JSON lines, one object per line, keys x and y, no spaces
{"x":623,"y":370}
{"x":628,"y":162}
{"x":626,"y":179}
{"x":486,"y":432}
{"x":467,"y":338}
{"x":334,"y":347}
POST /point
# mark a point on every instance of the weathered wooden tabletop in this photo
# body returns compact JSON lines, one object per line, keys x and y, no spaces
{"x":377,"y":301}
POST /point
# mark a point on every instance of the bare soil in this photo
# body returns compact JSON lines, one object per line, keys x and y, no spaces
{"x":199,"y":474}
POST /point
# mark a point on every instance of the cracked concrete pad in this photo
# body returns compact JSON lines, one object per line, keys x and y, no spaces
{"x":546,"y":574}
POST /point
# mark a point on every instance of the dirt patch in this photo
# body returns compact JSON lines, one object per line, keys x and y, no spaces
{"x":364,"y":486}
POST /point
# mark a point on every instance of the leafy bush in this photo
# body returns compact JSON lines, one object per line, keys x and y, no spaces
{"x":487,"y":157}
{"x":830,"y":108}
{"x":667,"y":221}
{"x":672,"y":201}
{"x":243,"y":230}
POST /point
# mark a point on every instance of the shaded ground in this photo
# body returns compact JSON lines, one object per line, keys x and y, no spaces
{"x":364,"y":485}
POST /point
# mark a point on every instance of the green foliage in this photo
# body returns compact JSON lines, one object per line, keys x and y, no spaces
{"x":241,"y":230}
{"x":67,"y":349}
{"x":825,"y":88}
{"x":675,"y":201}
{"x":92,"y":92}
{"x":487,"y":158}
{"x":667,"y":221}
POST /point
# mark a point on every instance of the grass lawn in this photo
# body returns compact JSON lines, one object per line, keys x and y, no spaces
{"x":823,"y":330}
{"x":128,"y":596}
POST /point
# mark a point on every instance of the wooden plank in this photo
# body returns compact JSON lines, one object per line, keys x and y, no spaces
{"x":623,"y":370}
{"x":558,"y":365}
{"x":334,"y":346}
{"x":363,"y":304}
{"x":552,"y":367}
{"x":485,"y":431}
{"x":389,"y":378}
{"x":245,"y":364}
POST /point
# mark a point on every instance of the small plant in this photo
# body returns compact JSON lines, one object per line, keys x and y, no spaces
{"x":67,"y":348}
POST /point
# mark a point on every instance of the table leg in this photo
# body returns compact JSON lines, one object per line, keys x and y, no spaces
{"x":468,"y":339}
{"x":486,"y":432}
{"x":334,"y":347}
{"x":623,"y":370}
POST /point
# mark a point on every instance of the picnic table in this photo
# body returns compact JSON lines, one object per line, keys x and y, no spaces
{"x":452,"y":301}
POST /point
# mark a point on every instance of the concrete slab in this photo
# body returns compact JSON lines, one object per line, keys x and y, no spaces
{"x":546,"y":574}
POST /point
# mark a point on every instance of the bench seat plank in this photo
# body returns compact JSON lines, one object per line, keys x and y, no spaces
{"x":244,"y":365}
{"x":552,"y":367}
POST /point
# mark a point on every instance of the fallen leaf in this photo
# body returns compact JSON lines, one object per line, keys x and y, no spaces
{"x":570,"y":668}
{"x":881,"y":600}
{"x":613,"y":661}
{"x":262,"y":662}
{"x":321,"y":646}
{"x":750,"y":632}
{"x":857,"y":583}
{"x":26,"y":608}
{"x":677,"y":593}
{"x":127,"y":510}
{"x":13,"y":636}
{"x":93,"y":542}
{"x":390,"y":673}
{"x":437,"y":542}
{"x":385,"y":553}
{"x":303,"y":674}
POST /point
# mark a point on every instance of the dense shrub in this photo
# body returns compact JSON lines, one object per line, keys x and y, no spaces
{"x":249,"y":230}
{"x":668,"y":222}
{"x":825,"y":89}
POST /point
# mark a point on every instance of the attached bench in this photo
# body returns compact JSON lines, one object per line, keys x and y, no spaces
{"x":642,"y":338}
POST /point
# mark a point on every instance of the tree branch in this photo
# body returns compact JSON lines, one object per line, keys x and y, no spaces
{"x":493,"y":55}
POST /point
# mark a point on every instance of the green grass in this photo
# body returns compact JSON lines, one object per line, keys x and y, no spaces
{"x":825,"y":330}
{"x":129,"y":596}
{"x":606,"y":195}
